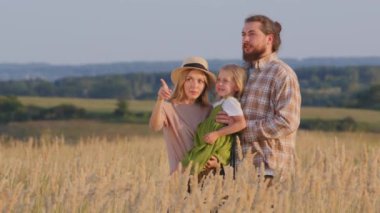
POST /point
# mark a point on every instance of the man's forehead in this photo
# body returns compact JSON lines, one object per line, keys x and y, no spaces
{"x":251,"y":26}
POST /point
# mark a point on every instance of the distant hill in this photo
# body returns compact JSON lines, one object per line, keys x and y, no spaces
{"x":50,"y":72}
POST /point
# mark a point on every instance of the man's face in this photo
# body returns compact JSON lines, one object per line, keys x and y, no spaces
{"x":255,"y":44}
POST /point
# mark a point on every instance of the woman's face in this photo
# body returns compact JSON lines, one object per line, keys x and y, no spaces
{"x":195,"y":83}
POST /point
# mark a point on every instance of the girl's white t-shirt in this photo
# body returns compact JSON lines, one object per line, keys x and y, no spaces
{"x":230,"y":105}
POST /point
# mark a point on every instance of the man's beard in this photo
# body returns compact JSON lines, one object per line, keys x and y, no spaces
{"x":254,"y":55}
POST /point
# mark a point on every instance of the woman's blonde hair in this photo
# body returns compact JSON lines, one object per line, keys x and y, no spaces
{"x":179,"y":91}
{"x":239,"y":76}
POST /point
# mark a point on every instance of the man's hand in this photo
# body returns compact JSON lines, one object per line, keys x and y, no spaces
{"x":212,"y":163}
{"x":223,"y":118}
{"x":211,"y":137}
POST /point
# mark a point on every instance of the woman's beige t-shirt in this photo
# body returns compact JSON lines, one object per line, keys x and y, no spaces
{"x":181,"y":121}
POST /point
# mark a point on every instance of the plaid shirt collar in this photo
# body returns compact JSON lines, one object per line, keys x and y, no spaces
{"x":263,"y":62}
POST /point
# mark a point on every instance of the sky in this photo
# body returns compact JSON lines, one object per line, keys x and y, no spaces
{"x":107,"y":31}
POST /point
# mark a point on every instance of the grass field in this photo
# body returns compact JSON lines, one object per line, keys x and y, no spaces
{"x":108,"y":105}
{"x":92,"y":105}
{"x":336,"y":172}
{"x":360,"y":115}
{"x":73,"y":130}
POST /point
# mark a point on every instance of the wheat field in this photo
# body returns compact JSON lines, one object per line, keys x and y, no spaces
{"x":336,"y":172}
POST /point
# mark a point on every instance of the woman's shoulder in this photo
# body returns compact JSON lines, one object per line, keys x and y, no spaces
{"x":195,"y":106}
{"x":188,"y":111}
{"x":170,"y":107}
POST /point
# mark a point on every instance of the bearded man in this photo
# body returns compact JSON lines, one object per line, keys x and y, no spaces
{"x":271,"y":100}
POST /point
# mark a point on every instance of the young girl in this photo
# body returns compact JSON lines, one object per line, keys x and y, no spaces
{"x":212,"y":138}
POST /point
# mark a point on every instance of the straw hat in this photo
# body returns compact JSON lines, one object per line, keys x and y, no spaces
{"x":193,"y":63}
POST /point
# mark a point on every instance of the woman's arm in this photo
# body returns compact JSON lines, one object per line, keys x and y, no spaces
{"x":157,"y":119}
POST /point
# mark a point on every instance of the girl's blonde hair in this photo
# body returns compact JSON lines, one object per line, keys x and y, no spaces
{"x":179,"y":91}
{"x":239,"y":76}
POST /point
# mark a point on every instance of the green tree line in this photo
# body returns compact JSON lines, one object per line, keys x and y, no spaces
{"x":353,"y":86}
{"x":11,"y":110}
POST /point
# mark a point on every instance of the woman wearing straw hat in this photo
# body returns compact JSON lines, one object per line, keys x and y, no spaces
{"x":180,"y":112}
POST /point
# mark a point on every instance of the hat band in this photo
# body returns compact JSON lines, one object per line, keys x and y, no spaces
{"x":195,"y":65}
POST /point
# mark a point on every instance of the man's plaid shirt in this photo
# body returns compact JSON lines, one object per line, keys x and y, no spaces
{"x":271,"y":104}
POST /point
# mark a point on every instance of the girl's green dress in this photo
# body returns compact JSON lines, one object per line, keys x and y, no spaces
{"x":202,"y":151}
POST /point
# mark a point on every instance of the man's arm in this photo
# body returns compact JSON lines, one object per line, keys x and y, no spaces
{"x":223,"y":118}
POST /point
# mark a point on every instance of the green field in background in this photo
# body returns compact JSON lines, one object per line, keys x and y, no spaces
{"x":324,"y":113}
{"x":91,"y":105}
{"x":75,"y":129}
{"x":108,"y":105}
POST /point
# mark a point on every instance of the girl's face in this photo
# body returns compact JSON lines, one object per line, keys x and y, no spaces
{"x":195,"y":83}
{"x":225,"y":85}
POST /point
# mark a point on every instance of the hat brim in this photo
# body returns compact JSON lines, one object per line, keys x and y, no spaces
{"x":176,"y":73}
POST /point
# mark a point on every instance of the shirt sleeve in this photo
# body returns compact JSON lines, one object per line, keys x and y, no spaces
{"x":232,"y":107}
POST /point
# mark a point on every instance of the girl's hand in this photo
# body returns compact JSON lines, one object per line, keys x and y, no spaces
{"x":211,"y":137}
{"x":164,"y":92}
